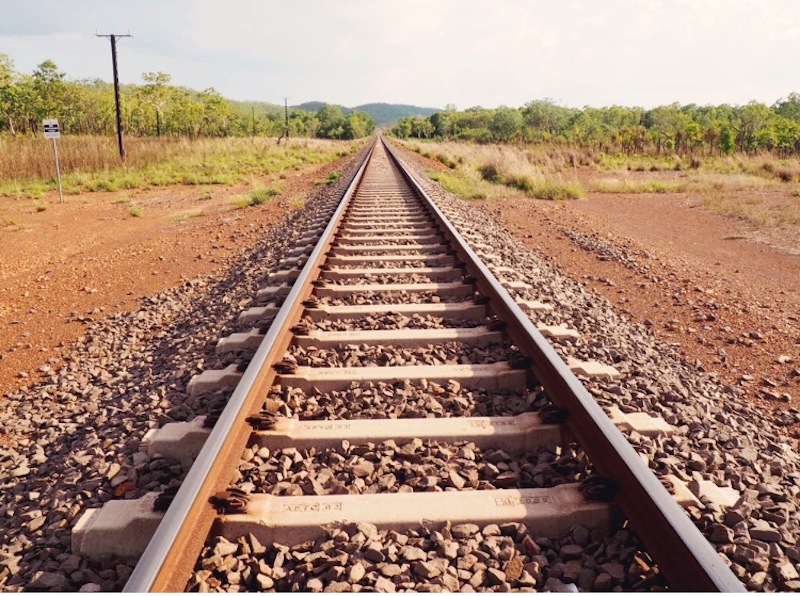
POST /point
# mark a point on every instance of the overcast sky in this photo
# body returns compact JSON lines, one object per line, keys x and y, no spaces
{"x":427,"y":53}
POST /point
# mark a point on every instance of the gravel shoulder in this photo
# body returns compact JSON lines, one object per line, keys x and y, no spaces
{"x":726,"y":303}
{"x":89,"y":258}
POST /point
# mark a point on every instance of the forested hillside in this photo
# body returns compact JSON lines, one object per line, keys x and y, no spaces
{"x":382,"y":113}
{"x":675,"y":128}
{"x":154,"y":108}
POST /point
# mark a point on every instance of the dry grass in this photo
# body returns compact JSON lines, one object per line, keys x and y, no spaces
{"x":478,"y":170}
{"x":27,"y":158}
{"x":92,"y":163}
{"x":759,"y":189}
{"x":691,"y":181}
{"x":626,"y":185}
{"x":713,"y":181}
{"x":754,"y":209}
{"x":184,"y":217}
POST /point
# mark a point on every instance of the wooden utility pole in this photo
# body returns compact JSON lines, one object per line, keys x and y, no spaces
{"x":285,"y":133}
{"x":113,"y":37}
{"x":286,"y":117}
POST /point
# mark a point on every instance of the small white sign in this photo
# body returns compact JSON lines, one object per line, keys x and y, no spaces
{"x":51,"y":129}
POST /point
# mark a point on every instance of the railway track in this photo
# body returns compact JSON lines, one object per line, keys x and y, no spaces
{"x":400,"y":399}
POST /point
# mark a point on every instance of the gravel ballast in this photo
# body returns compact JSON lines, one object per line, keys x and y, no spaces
{"x":402,"y":399}
{"x":407,"y":466}
{"x":73,"y":442}
{"x":719,"y":436}
{"x":77,"y":437}
{"x":466,"y":557}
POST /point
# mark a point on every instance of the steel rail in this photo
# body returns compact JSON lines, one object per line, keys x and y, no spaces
{"x":685,"y":556}
{"x":190,"y":516}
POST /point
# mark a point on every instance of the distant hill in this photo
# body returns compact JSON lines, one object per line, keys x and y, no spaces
{"x":382,"y":113}
{"x":389,"y":113}
{"x":313,"y":106}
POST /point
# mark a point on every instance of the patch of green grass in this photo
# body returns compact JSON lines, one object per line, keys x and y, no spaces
{"x":136,"y":212}
{"x":298,"y":202}
{"x":34,"y":191}
{"x":446,"y":160}
{"x":240,"y":202}
{"x":261,"y":196}
{"x":490,"y":173}
{"x":549,"y":190}
{"x":206,"y":195}
{"x":332,"y":177}
{"x":102,"y":185}
{"x":463,"y":186}
{"x":208,"y":177}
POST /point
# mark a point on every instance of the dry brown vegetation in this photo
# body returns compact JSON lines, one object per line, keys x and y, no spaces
{"x":760,"y":189}
{"x":92,"y":163}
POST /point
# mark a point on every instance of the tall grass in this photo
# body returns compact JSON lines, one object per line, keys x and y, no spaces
{"x":765,"y":166}
{"x":753,"y":209}
{"x":477,"y":167}
{"x":91,"y":163}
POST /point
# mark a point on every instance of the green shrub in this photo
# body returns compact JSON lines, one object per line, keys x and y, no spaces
{"x":260,"y":196}
{"x":441,"y":157}
{"x":490,"y":173}
{"x":102,"y":186}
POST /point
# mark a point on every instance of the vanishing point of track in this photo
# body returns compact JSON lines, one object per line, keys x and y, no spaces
{"x":389,"y":252}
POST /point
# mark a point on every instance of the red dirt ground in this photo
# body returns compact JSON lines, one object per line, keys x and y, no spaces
{"x":90,"y":257}
{"x":726,"y":302}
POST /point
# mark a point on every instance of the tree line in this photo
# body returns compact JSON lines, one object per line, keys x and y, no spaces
{"x":675,"y":128}
{"x":154,"y":108}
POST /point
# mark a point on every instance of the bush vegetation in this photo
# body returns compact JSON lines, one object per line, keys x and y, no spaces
{"x":685,"y":130}
{"x":155,"y":108}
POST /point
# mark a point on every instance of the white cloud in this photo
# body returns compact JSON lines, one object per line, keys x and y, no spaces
{"x":466,"y":52}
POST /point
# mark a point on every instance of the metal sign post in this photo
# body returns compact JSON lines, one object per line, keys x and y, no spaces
{"x":51,"y":131}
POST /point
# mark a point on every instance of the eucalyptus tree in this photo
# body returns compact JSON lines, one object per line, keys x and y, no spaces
{"x":506,"y":124}
{"x":156,"y":93}
{"x":7,"y":91}
{"x":789,"y":107}
{"x":50,"y":88}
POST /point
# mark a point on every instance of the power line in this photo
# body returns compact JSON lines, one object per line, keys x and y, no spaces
{"x":113,"y":37}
